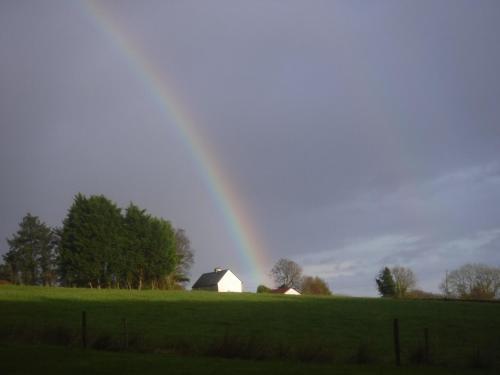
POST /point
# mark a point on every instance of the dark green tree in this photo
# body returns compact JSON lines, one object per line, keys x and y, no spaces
{"x":263,"y":289}
{"x":161,"y":256}
{"x":91,"y":242}
{"x":31,"y":258}
{"x":5,"y":273}
{"x":137,"y":232}
{"x":100,"y":247}
{"x":12,"y":268}
{"x":149,"y":249}
{"x":385,"y":283}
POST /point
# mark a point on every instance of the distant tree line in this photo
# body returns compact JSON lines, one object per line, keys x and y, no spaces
{"x":99,"y":245}
{"x":470,"y":281}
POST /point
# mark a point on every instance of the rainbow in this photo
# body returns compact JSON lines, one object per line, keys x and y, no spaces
{"x":225,"y":197}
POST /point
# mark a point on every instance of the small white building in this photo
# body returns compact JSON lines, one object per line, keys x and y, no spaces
{"x":286,"y":290}
{"x":219,"y":281}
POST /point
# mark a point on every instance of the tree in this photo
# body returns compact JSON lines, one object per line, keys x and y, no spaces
{"x":161,"y":258}
{"x":149,"y":250}
{"x":385,"y":283}
{"x":13,"y":267}
{"x":314,"y":285}
{"x":47,"y":259}
{"x":185,"y":256}
{"x":32,"y":252}
{"x":100,"y":247}
{"x":287,"y":272}
{"x":263,"y":289}
{"x":136,"y":233}
{"x":404,"y":280}
{"x":5,"y":273}
{"x":91,"y":240}
{"x":475,"y":281}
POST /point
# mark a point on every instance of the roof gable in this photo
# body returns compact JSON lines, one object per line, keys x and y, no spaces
{"x":209,"y":279}
{"x":283,"y":289}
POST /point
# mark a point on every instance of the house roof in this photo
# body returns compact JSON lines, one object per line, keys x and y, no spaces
{"x":282,"y":289}
{"x":209,"y":279}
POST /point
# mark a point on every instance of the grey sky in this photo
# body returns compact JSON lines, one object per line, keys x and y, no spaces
{"x":358,"y":133}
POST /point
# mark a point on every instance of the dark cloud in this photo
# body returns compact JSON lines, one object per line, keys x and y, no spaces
{"x":339,"y":124}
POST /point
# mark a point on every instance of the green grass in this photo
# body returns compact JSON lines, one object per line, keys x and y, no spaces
{"x":17,"y":360}
{"x":196,"y":322}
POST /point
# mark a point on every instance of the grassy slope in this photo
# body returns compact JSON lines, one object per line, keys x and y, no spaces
{"x":456,"y":328}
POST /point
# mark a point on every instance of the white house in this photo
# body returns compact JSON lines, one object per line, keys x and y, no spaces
{"x":286,"y":290}
{"x":219,"y":281}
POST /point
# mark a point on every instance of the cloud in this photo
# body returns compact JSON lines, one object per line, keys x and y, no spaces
{"x":330,"y":270}
{"x":356,"y":129}
{"x":353,"y":267}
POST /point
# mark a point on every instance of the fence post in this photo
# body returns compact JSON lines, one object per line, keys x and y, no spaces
{"x":397,"y":349}
{"x":125,"y":333}
{"x":426,"y":345}
{"x":84,"y":329}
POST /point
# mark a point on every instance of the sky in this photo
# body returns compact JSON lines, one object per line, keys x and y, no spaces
{"x":353,"y":135}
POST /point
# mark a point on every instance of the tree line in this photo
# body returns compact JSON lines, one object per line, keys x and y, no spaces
{"x":99,"y":245}
{"x":470,"y":281}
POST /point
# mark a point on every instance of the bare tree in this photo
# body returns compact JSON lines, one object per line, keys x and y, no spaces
{"x":185,"y":256}
{"x":287,"y":272}
{"x":473,"y":281}
{"x":404,"y":280}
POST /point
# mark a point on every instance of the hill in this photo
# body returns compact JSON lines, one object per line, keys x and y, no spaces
{"x":333,"y":330}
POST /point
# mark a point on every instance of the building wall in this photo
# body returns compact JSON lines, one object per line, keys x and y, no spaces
{"x":230,"y":283}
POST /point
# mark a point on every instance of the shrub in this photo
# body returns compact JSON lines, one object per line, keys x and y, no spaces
{"x":233,"y":346}
{"x":314,"y":285}
{"x":313,"y":352}
{"x":418,"y":356}
{"x":363,"y":354}
{"x":105,"y":342}
{"x":480,"y":360}
{"x":263,"y":289}
{"x":58,"y":336}
{"x":421,"y":294}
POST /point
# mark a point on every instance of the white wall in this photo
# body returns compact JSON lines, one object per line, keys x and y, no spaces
{"x":230,"y":283}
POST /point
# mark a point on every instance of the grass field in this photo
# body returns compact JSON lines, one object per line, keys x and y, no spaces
{"x":282,"y":330}
{"x":22,"y":360}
